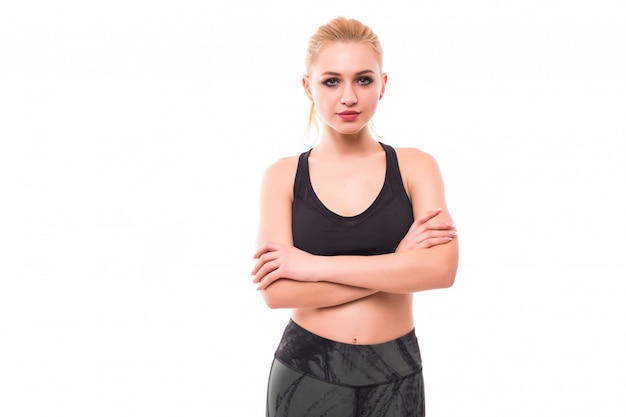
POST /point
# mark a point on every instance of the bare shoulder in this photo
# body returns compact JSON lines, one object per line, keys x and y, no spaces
{"x":283,"y":167}
{"x":281,"y":173}
{"x":414,"y":155}
{"x":275,"y":201}
{"x":415,"y":163}
{"x":422,"y":180}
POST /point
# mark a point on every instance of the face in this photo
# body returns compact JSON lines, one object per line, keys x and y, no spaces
{"x":345,"y":84}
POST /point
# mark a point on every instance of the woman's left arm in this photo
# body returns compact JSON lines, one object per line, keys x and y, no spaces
{"x":405,"y":271}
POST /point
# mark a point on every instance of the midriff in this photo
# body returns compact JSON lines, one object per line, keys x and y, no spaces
{"x":378,"y":318}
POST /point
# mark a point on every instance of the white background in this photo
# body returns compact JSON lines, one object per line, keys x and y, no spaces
{"x":133,"y":135}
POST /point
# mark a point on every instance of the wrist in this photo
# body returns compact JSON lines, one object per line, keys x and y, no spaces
{"x":320,"y":268}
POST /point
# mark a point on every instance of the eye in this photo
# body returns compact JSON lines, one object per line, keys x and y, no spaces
{"x":364,"y":81}
{"x":331,"y":82}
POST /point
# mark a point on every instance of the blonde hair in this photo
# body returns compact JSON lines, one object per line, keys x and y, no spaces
{"x":339,"y":29}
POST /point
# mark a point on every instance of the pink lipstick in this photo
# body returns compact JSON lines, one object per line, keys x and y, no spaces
{"x":348,"y":115}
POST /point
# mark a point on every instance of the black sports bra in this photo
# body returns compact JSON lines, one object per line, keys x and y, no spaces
{"x":377,"y":230}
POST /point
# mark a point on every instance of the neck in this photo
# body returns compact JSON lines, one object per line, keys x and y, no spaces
{"x":333,"y":142}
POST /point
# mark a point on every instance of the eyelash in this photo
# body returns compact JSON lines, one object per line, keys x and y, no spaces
{"x":363,"y":81}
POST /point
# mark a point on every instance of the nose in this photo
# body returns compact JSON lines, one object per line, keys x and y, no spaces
{"x":348,"y":97}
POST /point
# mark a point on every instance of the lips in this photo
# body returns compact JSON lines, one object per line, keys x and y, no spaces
{"x":348,"y":115}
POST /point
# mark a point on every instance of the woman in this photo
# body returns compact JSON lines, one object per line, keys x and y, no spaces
{"x":348,"y":231}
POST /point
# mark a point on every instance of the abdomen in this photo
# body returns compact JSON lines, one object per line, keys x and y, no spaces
{"x":374,"y":319}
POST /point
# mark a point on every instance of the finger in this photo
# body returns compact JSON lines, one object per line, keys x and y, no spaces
{"x":436,"y":241}
{"x":268,"y":280}
{"x":428,"y":215}
{"x":439,"y":226}
{"x":264,"y":271}
{"x":428,"y":231}
{"x":421,"y":240}
{"x":263,"y":260}
{"x":267,"y":247}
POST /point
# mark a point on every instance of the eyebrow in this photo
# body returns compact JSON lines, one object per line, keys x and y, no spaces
{"x":336,"y":74}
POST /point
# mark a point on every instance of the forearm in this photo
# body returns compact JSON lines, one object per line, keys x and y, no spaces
{"x":402,"y":272}
{"x":287,"y":293}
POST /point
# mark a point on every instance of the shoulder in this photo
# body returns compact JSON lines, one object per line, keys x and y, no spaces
{"x":280,"y":174}
{"x":282,"y":167}
{"x":413,"y":161}
{"x":422,"y":178}
{"x":275,"y":201}
{"x":412,"y":153}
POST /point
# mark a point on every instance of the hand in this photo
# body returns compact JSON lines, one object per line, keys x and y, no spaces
{"x":275,"y":261}
{"x":425,"y":233}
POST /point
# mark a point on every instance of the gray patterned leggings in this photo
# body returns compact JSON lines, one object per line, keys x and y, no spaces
{"x":313,"y":377}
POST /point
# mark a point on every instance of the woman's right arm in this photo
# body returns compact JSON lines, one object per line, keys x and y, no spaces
{"x":275,"y":226}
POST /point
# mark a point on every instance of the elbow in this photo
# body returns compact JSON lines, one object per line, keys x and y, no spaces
{"x":442,"y":274}
{"x":448,"y":273}
{"x":437,"y":280}
{"x":435,"y":272}
{"x":447,"y":279}
{"x":441,"y":278}
{"x":448,"y":266}
{"x":271,"y":300}
{"x":275,"y":297}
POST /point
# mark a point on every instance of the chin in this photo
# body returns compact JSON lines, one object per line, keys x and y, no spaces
{"x":349,"y":130}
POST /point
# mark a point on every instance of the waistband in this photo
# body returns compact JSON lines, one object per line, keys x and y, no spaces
{"x":349,"y":364}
